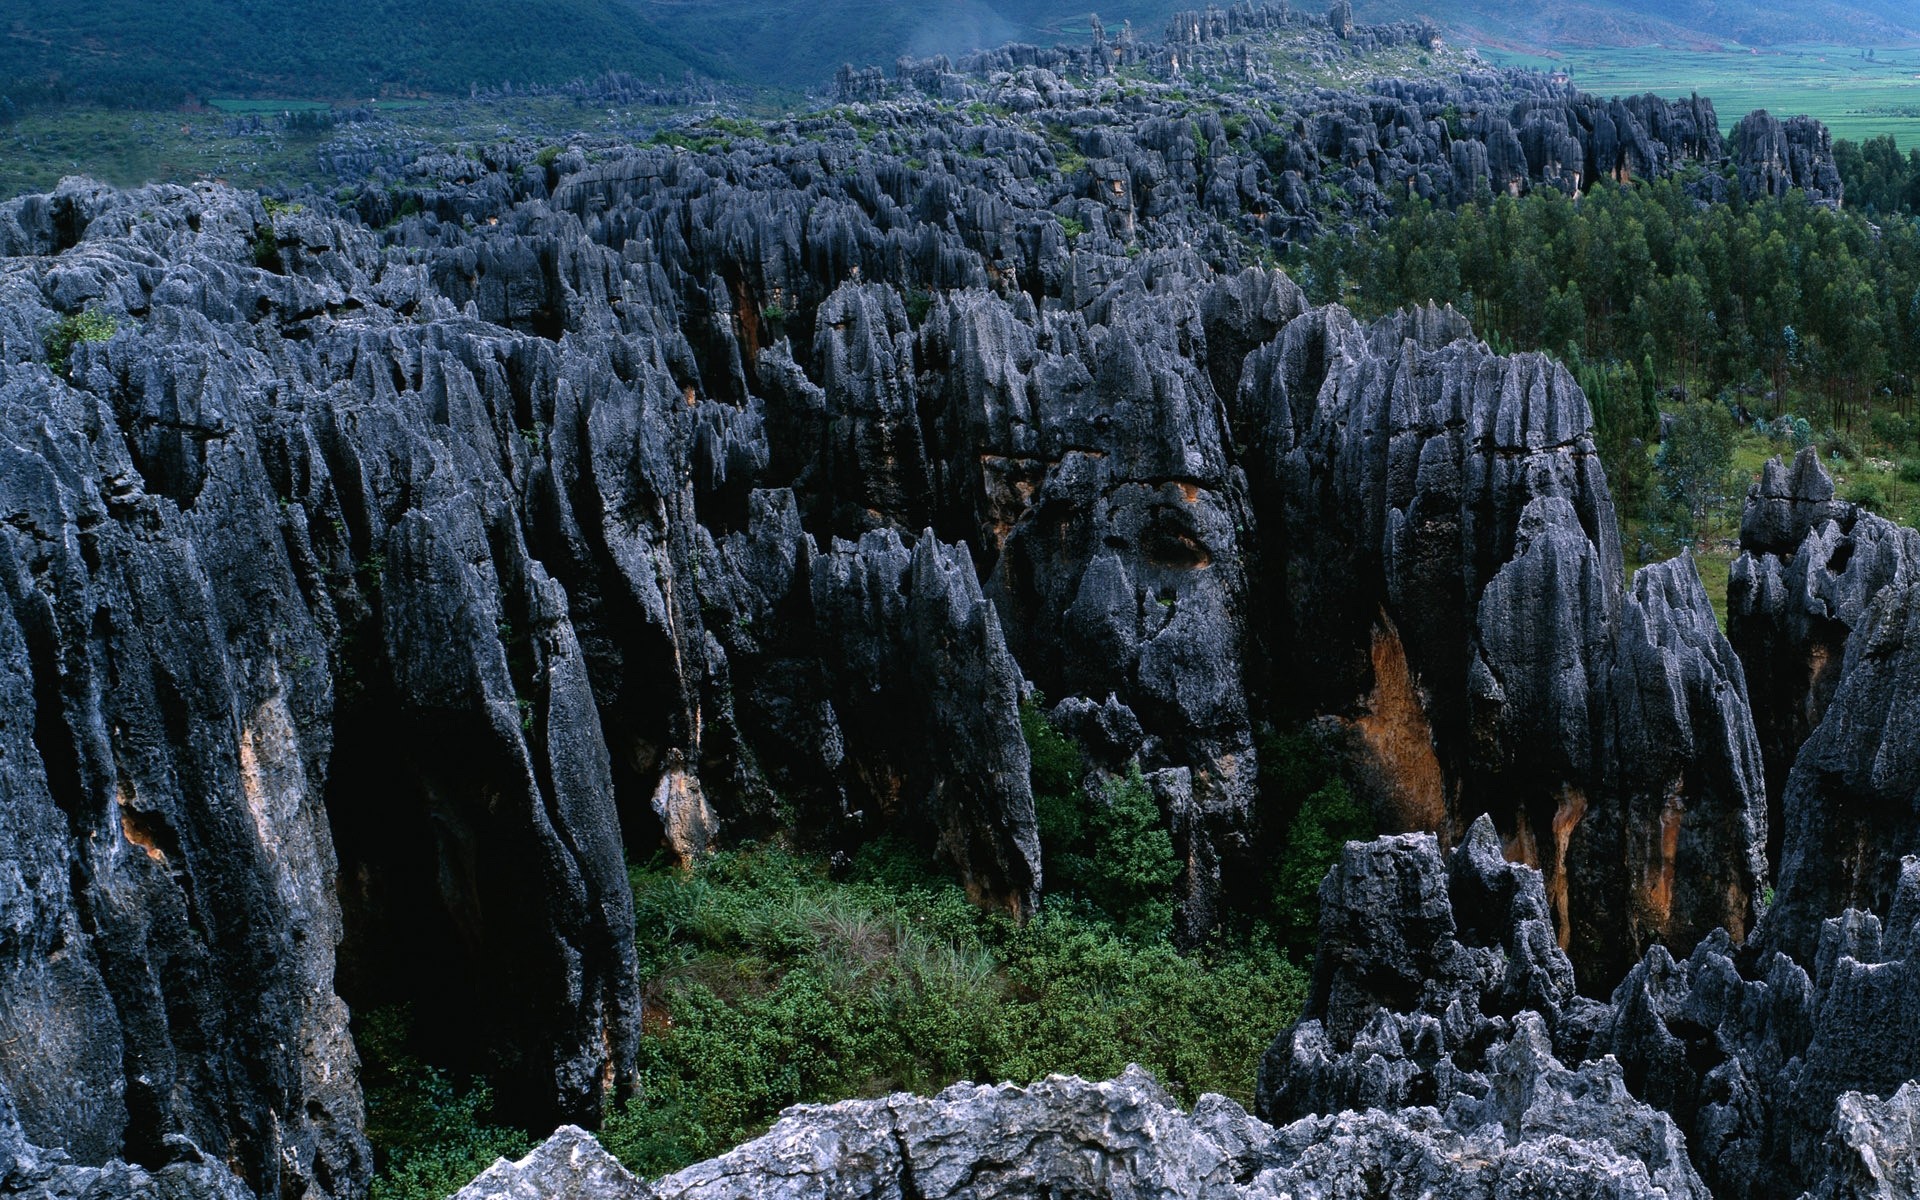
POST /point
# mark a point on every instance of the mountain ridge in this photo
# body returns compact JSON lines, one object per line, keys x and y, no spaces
{"x":128,"y":54}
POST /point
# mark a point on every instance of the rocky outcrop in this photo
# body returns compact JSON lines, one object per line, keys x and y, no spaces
{"x":1433,"y":971}
{"x":1551,"y":1134}
{"x":348,"y":643}
{"x":1428,"y":1062}
{"x":391,"y":570}
{"x":1852,"y":801}
{"x":1441,"y":565}
{"x":1774,"y":157}
{"x":1812,"y":571}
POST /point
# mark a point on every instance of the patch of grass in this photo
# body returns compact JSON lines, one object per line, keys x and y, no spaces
{"x":773,"y":983}
{"x":1856,"y":97}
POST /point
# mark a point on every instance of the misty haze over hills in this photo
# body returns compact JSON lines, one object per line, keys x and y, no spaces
{"x":144,"y":55}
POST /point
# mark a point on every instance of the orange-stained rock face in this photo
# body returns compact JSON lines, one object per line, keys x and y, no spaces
{"x":1399,"y":737}
{"x":687,"y":821}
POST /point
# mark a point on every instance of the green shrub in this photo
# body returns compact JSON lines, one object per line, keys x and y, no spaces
{"x":1108,"y":849}
{"x":1868,"y":493}
{"x":1315,"y":814}
{"x":1329,"y":819}
{"x":773,"y":983}
{"x":1074,"y":226}
{"x":1125,"y":867}
{"x":919,"y":303}
{"x":431,"y":1134}
{"x":547,"y":157}
{"x":1895,"y":430}
{"x":1055,"y":773}
{"x":266,"y":248}
{"x":92,"y":325}
{"x":1694,"y":471}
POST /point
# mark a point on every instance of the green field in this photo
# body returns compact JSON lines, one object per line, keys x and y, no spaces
{"x":128,"y":147}
{"x":1856,"y":97}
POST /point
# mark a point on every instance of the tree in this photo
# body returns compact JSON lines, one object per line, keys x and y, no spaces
{"x":1695,"y":470}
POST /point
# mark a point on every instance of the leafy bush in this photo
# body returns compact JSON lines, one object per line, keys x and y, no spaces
{"x":1106,"y":847}
{"x":431,"y":1133}
{"x":1895,"y":430}
{"x":919,"y":303}
{"x":1123,"y":864}
{"x":1326,"y":821}
{"x":1074,"y":226}
{"x":1316,"y":815}
{"x":92,"y":325}
{"x":773,"y":983}
{"x":1868,"y":493}
{"x":1055,"y":772}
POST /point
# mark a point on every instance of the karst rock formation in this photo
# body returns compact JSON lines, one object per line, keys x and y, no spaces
{"x":402,"y":562}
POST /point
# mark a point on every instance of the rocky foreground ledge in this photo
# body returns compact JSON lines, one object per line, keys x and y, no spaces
{"x":1431,"y":1062}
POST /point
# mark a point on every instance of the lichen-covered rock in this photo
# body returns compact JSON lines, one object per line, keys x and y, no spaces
{"x":1408,"y":1003}
{"x":1437,"y":985}
{"x":1873,"y":1152}
{"x":570,"y":1165}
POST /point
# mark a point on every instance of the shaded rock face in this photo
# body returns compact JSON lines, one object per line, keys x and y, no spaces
{"x":1554,"y":1134}
{"x":1822,"y":593}
{"x":347,"y":641}
{"x":1852,"y":802}
{"x":1441,"y":563}
{"x":34,"y":1173}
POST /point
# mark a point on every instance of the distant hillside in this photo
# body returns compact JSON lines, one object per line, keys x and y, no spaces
{"x":145,"y":53}
{"x":799,"y":43}
{"x":142,"y":52}
{"x":1547,"y":24}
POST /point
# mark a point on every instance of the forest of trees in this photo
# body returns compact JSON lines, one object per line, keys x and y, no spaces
{"x":1652,"y":298}
{"x":1880,"y":181}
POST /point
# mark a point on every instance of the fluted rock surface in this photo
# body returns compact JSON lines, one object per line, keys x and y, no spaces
{"x":1440,"y":563}
{"x":1821,"y":593}
{"x":397,"y":567}
{"x":344,"y":634}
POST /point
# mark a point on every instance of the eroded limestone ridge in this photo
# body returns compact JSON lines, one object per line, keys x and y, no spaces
{"x":1432,"y":1061}
{"x":372,"y":586}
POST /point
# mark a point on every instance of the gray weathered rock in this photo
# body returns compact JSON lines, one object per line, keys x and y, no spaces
{"x":1554,"y":1133}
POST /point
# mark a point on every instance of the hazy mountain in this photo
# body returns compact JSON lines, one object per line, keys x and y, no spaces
{"x":126,"y":52}
{"x":136,"y":52}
